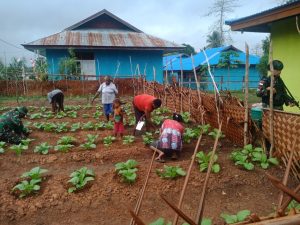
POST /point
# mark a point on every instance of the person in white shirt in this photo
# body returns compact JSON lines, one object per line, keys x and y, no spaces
{"x":109,"y":91}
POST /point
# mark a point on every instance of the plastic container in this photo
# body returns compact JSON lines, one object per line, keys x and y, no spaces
{"x":256,"y":114}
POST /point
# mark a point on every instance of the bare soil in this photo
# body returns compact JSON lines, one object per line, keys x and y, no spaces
{"x":107,"y":199}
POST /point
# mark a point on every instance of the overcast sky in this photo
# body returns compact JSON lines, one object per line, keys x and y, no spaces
{"x":181,"y":21}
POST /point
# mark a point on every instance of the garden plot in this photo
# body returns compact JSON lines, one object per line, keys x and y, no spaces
{"x":74,"y":171}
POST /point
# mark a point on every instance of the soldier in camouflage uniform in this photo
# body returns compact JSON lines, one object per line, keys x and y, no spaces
{"x":11,"y":126}
{"x":280,"y":95}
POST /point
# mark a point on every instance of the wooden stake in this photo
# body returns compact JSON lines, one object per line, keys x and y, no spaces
{"x":181,"y":79}
{"x":139,"y":202}
{"x":187,"y":178}
{"x":271,"y":116}
{"x":287,"y":172}
{"x":179,"y":212}
{"x":201,"y":204}
{"x":288,"y":200}
{"x":246,"y":139}
{"x":136,"y":219}
{"x":277,"y":183}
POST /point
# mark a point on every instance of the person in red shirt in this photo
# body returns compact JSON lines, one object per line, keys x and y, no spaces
{"x":170,"y":140}
{"x":143,"y":106}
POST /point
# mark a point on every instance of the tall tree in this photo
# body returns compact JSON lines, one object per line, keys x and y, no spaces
{"x":214,"y":40}
{"x":220,"y":9}
{"x":262,"y":66}
{"x":16,"y":67}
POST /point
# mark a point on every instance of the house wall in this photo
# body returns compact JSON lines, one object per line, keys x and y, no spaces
{"x":286,"y":47}
{"x":235,"y":77}
{"x":106,"y":62}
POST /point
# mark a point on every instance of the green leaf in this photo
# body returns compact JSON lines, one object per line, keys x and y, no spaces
{"x":242,"y":215}
{"x":229,"y":218}
{"x":180,"y":171}
{"x":206,"y":221}
{"x":216,"y":168}
{"x":160,"y":221}
{"x":71,"y":189}
{"x":248,"y":166}
{"x":264,"y":165}
{"x":274,"y":161}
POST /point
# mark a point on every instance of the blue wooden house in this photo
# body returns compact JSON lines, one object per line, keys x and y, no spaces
{"x":226,"y":78}
{"x":106,"y":45}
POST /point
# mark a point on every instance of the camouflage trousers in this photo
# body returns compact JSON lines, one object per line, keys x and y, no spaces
{"x":11,"y":137}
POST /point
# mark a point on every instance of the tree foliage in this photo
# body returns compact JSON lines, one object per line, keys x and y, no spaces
{"x":262,"y":66}
{"x":41,"y":68}
{"x":69,"y":66}
{"x":16,"y":67}
{"x":214,"y":40}
{"x":188,"y":49}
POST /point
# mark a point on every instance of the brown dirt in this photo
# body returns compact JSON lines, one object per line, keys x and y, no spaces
{"x":107,"y":200}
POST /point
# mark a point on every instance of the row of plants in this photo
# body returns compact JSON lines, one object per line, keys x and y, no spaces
{"x":31,"y":180}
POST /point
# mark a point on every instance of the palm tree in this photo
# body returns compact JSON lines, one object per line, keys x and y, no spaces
{"x":214,"y":40}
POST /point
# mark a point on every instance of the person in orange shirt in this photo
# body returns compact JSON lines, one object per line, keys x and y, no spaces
{"x":143,"y":106}
{"x":118,"y":118}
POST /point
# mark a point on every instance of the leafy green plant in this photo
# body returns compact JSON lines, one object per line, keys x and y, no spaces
{"x":170,"y":172}
{"x":18,"y":149}
{"x":157,"y":119}
{"x":43,"y":148}
{"x":65,"y":140}
{"x":2,"y":145}
{"x":88,"y":126}
{"x":129,"y":139}
{"x":148,"y":138}
{"x":26,"y":188}
{"x":97,"y":114}
{"x":79,"y":179}
{"x":39,"y":126}
{"x":36,"y":116}
{"x":63,"y":148}
{"x":186,"y":117}
{"x":100,"y":125}
{"x":107,"y":141}
{"x":127,"y":170}
{"x":48,"y":115}
{"x":294,"y":205}
{"x":26,"y":141}
{"x":214,"y":134}
{"x":72,"y":114}
{"x":204,"y":128}
{"x":246,"y":156}
{"x":43,"y":109}
{"x":190,"y":133}
{"x":130,"y":121}
{"x":239,"y":217}
{"x":49,"y":127}
{"x":60,"y":115}
{"x":204,"y":159}
{"x":90,"y":142}
{"x":35,"y":173}
{"x":61,"y":127}
{"x":109,"y":125}
{"x":75,"y":127}
{"x":161,"y":110}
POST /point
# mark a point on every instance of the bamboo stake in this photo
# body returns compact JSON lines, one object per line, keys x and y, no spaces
{"x":288,"y":200}
{"x":202,"y":200}
{"x":136,"y":219}
{"x":271,"y":115}
{"x":139,"y":202}
{"x":287,"y":172}
{"x":196,"y":80}
{"x":187,"y":179}
{"x":178,"y":211}
{"x":181,"y":78}
{"x":246,"y":96}
{"x":277,"y":183}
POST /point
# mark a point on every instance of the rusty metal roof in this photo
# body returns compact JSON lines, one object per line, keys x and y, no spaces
{"x":102,"y":39}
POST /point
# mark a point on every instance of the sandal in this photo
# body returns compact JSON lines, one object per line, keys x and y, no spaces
{"x":160,"y":160}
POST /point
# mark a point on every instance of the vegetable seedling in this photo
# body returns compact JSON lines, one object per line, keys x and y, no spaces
{"x":186,"y":117}
{"x":75,"y":127}
{"x":61,"y":127}
{"x":88,"y":126}
{"x":60,"y":115}
{"x":107,"y":141}
{"x":127,"y":170}
{"x":18,"y":149}
{"x":128,"y":139}
{"x":65,"y":140}
{"x":26,"y":188}
{"x":109,"y":125}
{"x":239,"y":217}
{"x":26,"y":141}
{"x":214,"y":134}
{"x":63,"y":148}
{"x":35,"y":173}
{"x":72,"y":114}
{"x":43,"y":148}
{"x":204,"y":159}
{"x":148,"y":138}
{"x":170,"y":172}
{"x":79,"y":179}
{"x":2,"y":145}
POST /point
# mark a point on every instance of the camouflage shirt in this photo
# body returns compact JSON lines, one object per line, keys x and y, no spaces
{"x":279,"y":98}
{"x":10,"y":121}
